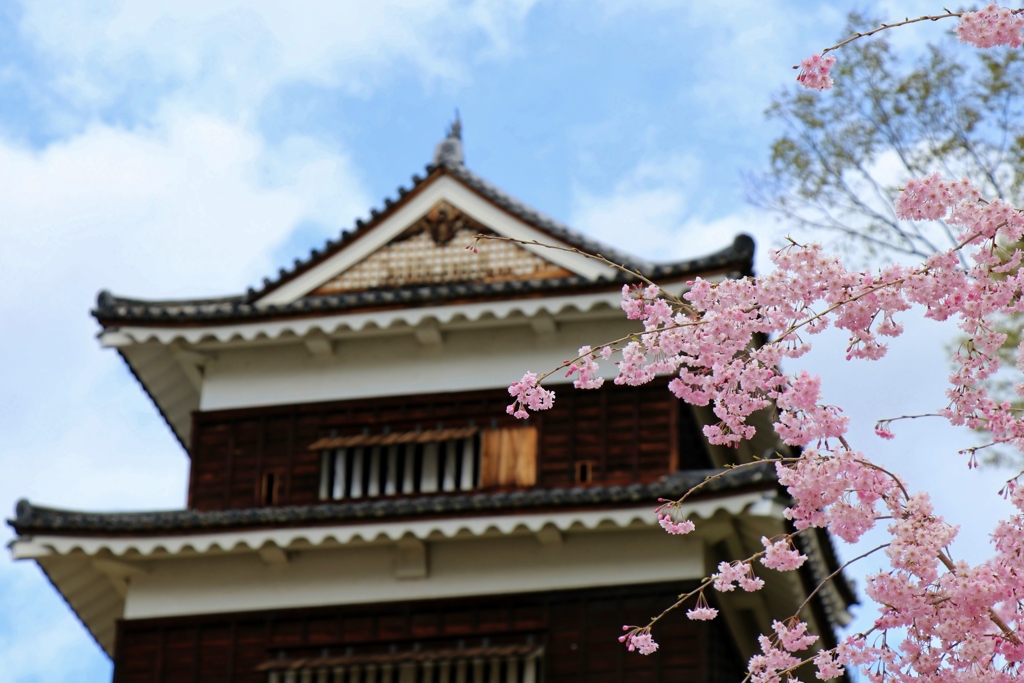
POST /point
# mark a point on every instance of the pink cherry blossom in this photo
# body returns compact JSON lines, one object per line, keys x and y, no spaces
{"x":702,"y":613}
{"x":528,"y":394}
{"x":678,"y":528}
{"x":990,"y":27}
{"x":794,"y":636}
{"x":587,"y":368}
{"x":638,"y":640}
{"x":827,"y":666}
{"x":814,"y":72}
{"x":781,"y":555}
{"x":725,"y":346}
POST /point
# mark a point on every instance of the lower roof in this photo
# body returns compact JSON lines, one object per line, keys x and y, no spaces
{"x":31,"y":519}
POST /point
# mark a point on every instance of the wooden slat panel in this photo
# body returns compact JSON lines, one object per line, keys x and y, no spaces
{"x":626,"y":433}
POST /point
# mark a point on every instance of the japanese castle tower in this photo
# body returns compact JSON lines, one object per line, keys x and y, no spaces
{"x":361,"y":509}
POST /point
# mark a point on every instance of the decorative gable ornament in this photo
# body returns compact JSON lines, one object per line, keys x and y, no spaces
{"x":434,"y":251}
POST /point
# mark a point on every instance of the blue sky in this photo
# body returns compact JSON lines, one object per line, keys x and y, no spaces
{"x":192,"y":147}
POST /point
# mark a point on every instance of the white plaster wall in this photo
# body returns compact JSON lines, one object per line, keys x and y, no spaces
{"x":365,"y":574}
{"x":397,"y":363}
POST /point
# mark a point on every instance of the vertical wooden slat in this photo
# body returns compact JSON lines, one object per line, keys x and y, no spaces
{"x":196,"y":653}
{"x":468,"y":464}
{"x":525,"y":456}
{"x":325,"y":475}
{"x":391,"y":482}
{"x":673,"y":435}
{"x":340,"y":473}
{"x":530,"y":669}
{"x":409,"y":469}
{"x":478,"y":670}
{"x":636,"y":435}
{"x":229,"y":464}
{"x":571,"y":445}
{"x":428,"y":475}
{"x":373,"y":485}
{"x":451,"y":457}
{"x":158,"y":661}
{"x":232,"y":648}
{"x":538,"y":421}
{"x":289,"y":460}
{"x":260,"y":444}
{"x":355,"y":489}
{"x":512,"y":670}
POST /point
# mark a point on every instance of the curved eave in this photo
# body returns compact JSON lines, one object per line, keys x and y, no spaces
{"x":251,"y":540}
{"x":32,"y":519}
{"x":113,"y":311}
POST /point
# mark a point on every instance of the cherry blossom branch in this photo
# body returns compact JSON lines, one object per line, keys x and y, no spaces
{"x":995,"y":618}
{"x":834,"y":574}
{"x":585,"y":254}
{"x":725,"y":472}
{"x":885,"y":27}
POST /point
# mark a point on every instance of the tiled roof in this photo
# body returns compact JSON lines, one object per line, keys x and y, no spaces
{"x":31,"y":519}
{"x":737,"y":258}
{"x":452,"y":167}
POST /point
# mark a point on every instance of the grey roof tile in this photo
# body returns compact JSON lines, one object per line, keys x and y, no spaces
{"x":32,"y":519}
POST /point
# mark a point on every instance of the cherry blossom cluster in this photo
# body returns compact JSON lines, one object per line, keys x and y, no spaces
{"x":638,"y":640}
{"x":528,"y":394}
{"x":723,"y":344}
{"x":959,"y":620}
{"x":586,"y":367}
{"x":815,"y":70}
{"x":991,"y":27}
{"x":731,"y":574}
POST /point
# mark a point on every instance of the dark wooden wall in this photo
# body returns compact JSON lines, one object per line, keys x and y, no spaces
{"x":577,"y":628}
{"x":626,"y":434}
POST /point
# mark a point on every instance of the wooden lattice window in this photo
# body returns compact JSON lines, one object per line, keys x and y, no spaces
{"x":441,"y":460}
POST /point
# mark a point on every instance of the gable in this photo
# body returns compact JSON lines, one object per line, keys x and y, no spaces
{"x":421,"y":240}
{"x":433,"y":250}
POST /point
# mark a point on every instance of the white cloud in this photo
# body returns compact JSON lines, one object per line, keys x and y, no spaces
{"x":643,"y":211}
{"x":652,"y":212}
{"x":189,"y":207}
{"x":236,"y":50}
{"x":157,"y":210}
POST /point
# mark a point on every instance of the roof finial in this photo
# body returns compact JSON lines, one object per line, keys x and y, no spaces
{"x":449,"y":151}
{"x":455,"y":129}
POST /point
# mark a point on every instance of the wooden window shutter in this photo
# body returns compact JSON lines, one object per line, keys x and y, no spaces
{"x":508,"y":457}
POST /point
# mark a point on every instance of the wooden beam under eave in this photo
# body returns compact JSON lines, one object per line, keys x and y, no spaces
{"x":428,"y":333}
{"x":319,"y":345}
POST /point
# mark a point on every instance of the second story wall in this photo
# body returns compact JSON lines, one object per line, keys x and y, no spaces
{"x":452,"y":442}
